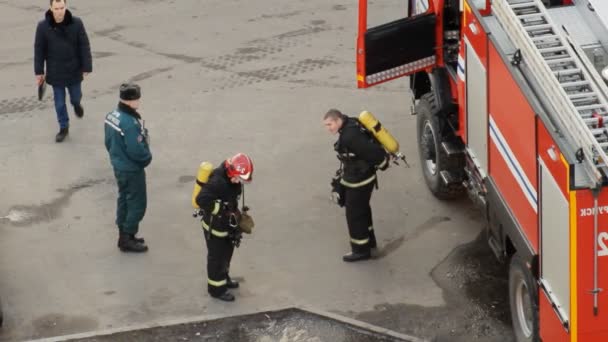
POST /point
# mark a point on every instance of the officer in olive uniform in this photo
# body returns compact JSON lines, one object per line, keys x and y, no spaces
{"x":127,"y":142}
{"x":218,"y":201}
{"x":360,"y":156}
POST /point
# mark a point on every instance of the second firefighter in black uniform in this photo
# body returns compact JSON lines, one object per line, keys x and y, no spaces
{"x":218,"y":201}
{"x":360,"y":156}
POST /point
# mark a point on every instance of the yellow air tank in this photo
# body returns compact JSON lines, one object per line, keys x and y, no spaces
{"x":202,"y":176}
{"x":369,"y":121}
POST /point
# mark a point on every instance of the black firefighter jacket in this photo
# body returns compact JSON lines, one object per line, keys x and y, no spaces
{"x":360,"y":154}
{"x":218,"y":200}
{"x":65,"y":49}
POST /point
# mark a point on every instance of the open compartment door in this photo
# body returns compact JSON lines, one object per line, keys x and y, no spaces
{"x":395,"y":49}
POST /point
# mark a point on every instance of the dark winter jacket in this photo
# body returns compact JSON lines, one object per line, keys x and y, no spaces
{"x":65,"y":49}
{"x":360,"y":153}
{"x":126,"y":139}
{"x":218,"y":200}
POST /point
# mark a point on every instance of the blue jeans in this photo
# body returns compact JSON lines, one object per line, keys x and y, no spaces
{"x":75,"y":91}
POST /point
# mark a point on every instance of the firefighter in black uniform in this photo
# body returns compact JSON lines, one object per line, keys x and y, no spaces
{"x":218,"y":201}
{"x":360,"y":156}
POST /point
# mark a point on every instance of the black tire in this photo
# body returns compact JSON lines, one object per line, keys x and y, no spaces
{"x":523,"y":299}
{"x":1,"y":315}
{"x":433,"y":158}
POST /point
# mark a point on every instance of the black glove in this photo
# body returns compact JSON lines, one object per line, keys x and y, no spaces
{"x":337,"y":191}
{"x":235,"y":236}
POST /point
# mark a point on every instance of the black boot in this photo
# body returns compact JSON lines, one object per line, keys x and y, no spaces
{"x":78,"y":110}
{"x":352,"y":257}
{"x":63,"y":132}
{"x":226,"y":297}
{"x":232,"y":284}
{"x":137,"y":239}
{"x":126,"y":244}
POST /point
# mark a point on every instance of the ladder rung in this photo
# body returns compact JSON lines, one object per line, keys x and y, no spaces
{"x":566,"y":72}
{"x":590,"y":107}
{"x":560,"y":60}
{"x":538,"y":27}
{"x":522,"y":5}
{"x":532,"y":15}
{"x":541,"y":38}
{"x":597,"y":131}
{"x":588,"y":96}
{"x":574,"y":84}
{"x":591,"y":120}
{"x":590,"y":115}
{"x":552,"y":49}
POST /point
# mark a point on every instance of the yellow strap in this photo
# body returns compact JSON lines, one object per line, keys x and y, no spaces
{"x":359,"y":242}
{"x":213,"y":231}
{"x":216,"y":208}
{"x":217,"y":283}
{"x":357,"y":185}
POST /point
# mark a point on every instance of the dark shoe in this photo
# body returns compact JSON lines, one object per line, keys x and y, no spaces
{"x":126,"y":244}
{"x":63,"y":132}
{"x":352,"y":257}
{"x":137,"y":239}
{"x":226,"y":297}
{"x":79,"y":111}
{"x":232,"y":284}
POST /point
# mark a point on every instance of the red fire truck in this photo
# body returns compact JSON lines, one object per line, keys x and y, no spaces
{"x":511,"y":101}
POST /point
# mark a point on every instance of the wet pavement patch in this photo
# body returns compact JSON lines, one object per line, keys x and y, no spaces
{"x":290,"y":325}
{"x":475,"y":289}
{"x":25,"y":215}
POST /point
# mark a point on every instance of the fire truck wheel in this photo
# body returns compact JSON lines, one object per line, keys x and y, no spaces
{"x":523,"y":301}
{"x":433,"y":158}
{"x":1,"y":316}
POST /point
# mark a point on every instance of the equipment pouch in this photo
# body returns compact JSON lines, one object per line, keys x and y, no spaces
{"x":246,"y":225}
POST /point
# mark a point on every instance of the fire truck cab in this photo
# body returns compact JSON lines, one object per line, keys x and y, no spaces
{"x":511,"y":99}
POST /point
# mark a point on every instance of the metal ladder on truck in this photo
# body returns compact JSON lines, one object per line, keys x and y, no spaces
{"x":579,"y":97}
{"x":571,"y":84}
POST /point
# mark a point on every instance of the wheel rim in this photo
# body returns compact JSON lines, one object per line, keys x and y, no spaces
{"x":523,"y":308}
{"x":429,"y":149}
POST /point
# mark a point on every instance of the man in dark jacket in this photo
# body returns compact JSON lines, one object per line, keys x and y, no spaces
{"x":360,"y":156}
{"x":127,"y":142}
{"x":218,"y":201}
{"x":62,"y":43}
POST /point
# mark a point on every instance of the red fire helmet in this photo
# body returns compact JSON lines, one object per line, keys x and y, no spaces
{"x":240,"y":165}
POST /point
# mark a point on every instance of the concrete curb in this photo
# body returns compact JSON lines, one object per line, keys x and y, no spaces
{"x":201,"y":318}
{"x":360,"y":324}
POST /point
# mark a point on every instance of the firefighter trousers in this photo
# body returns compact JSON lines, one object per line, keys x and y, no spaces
{"x":219,"y":255}
{"x":359,"y":218}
